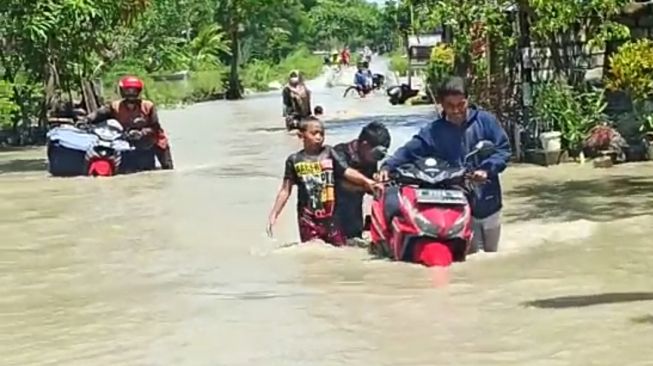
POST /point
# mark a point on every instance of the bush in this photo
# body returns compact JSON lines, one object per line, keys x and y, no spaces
{"x":304,"y":60}
{"x":399,"y":63}
{"x":259,"y":74}
{"x":631,"y":69}
{"x":7,"y":106}
{"x":559,"y":107}
{"x":440,"y":65}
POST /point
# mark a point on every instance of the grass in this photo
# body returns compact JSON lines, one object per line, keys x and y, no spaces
{"x":259,"y":74}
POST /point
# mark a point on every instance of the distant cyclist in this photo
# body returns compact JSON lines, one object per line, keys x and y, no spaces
{"x":363,"y":80}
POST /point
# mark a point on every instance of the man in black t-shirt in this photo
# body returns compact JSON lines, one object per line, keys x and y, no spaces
{"x":358,"y":155}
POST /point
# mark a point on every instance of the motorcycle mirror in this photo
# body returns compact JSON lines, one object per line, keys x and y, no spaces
{"x":484,"y":146}
{"x":379,"y":152}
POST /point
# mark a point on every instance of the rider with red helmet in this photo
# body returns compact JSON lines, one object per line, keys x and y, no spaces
{"x":138,"y":117}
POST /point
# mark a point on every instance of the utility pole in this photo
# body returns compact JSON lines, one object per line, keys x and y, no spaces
{"x":526,"y":72}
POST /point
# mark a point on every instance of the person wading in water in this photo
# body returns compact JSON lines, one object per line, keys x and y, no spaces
{"x":296,"y":100}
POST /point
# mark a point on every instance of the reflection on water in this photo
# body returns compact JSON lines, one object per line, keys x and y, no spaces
{"x":173,"y":268}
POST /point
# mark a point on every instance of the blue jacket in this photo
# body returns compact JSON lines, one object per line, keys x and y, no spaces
{"x":362,"y":79}
{"x":443,"y":140}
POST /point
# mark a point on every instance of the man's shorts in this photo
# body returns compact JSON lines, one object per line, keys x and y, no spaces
{"x":324,"y":229}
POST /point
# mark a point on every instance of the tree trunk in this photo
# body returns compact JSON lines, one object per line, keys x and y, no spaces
{"x":234,"y":92}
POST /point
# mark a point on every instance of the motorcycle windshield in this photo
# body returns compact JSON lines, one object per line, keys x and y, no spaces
{"x":431,"y":176}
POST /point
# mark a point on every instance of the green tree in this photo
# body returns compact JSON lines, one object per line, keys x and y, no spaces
{"x":350,"y":22}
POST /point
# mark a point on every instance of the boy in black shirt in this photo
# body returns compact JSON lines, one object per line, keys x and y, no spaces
{"x":358,"y":155}
{"x":315,"y":170}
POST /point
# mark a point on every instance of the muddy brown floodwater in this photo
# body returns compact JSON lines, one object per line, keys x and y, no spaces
{"x":173,"y":268}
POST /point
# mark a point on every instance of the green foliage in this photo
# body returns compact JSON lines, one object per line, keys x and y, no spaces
{"x":259,"y":74}
{"x":441,"y":65}
{"x":60,"y":43}
{"x":7,"y":105}
{"x":572,"y":112}
{"x":344,"y":22}
{"x":631,"y":69}
{"x":469,"y":22}
{"x":595,"y":18}
{"x":399,"y":63}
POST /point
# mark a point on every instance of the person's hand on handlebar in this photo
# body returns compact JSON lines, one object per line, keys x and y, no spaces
{"x":478,"y":176}
{"x":135,"y":135}
{"x":372,"y":186}
{"x":382,"y":176}
{"x":82,"y":123}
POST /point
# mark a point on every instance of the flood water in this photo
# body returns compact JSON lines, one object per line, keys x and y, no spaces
{"x":174,"y":268}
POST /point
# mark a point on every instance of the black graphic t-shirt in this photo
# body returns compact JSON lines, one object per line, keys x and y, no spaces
{"x":315,"y":177}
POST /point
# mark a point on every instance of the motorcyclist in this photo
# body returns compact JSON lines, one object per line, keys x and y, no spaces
{"x":296,"y":99}
{"x":367,"y":54}
{"x":450,"y":138}
{"x":138,"y":117}
{"x":363,"y":79}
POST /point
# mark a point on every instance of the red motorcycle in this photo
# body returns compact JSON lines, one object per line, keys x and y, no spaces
{"x":423,"y":215}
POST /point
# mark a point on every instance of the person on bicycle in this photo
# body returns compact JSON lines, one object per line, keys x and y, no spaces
{"x":363,"y":80}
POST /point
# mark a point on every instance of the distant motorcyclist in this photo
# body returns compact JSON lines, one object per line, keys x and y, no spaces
{"x":138,"y":117}
{"x":296,"y":100}
{"x":367,"y":54}
{"x":363,"y":79}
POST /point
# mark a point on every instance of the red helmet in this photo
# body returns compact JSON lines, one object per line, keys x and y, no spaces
{"x":130,"y":87}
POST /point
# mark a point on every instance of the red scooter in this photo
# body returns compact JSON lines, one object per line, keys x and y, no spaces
{"x":423,"y":214}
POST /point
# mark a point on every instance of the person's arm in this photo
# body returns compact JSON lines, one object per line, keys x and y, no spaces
{"x":352,"y":187}
{"x":416,"y":148}
{"x":308,"y":102}
{"x":279,"y":203}
{"x":287,"y":101}
{"x":341,"y":169}
{"x":357,"y":178}
{"x":154,"y":126}
{"x":289,"y":178}
{"x":100,"y":115}
{"x":498,"y":161}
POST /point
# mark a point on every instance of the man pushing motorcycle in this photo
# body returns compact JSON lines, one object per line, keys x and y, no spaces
{"x":138,"y":117}
{"x":450,"y":138}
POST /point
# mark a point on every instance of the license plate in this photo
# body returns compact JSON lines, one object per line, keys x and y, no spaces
{"x":441,"y":196}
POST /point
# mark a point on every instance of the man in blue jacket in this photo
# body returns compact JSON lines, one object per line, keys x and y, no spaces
{"x":450,"y":138}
